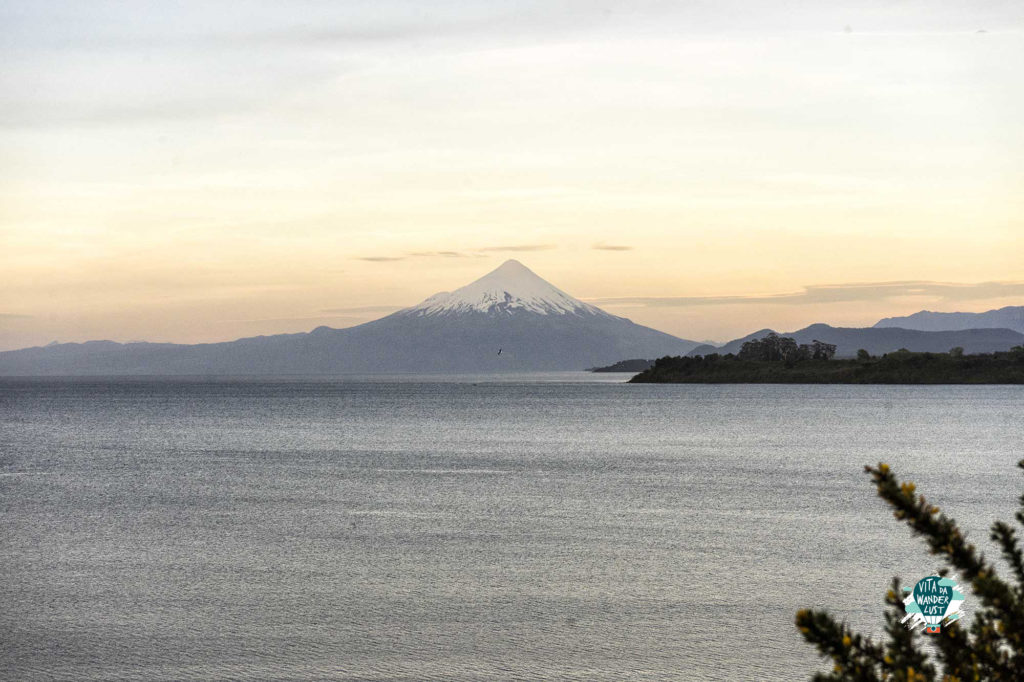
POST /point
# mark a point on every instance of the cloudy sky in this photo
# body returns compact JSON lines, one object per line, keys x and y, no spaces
{"x":196,"y":171}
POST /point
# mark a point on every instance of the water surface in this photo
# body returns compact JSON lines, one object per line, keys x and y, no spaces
{"x":542,"y":527}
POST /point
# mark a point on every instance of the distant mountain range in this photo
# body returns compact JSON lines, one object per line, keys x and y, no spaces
{"x":508,"y":320}
{"x":879,"y":340}
{"x":1010,"y":317}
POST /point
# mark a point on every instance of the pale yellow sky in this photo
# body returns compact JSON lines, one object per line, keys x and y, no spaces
{"x":191,"y":174}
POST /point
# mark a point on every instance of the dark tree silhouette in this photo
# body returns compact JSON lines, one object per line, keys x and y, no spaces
{"x":991,"y":649}
{"x":822,"y":351}
{"x":771,"y":348}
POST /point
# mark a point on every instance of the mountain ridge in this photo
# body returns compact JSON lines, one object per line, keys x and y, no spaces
{"x":1007,"y":317}
{"x":535,"y":325}
{"x":880,"y":340}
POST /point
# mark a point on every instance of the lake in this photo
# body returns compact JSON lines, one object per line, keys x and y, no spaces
{"x":560,"y":526}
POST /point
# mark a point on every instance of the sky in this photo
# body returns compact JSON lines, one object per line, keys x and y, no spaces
{"x":202,"y":171}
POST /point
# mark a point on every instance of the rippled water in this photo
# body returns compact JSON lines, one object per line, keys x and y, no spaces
{"x":537,"y":528}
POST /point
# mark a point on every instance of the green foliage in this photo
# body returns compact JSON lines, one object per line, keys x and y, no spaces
{"x":901,"y":367}
{"x":863,"y":355}
{"x":991,"y":649}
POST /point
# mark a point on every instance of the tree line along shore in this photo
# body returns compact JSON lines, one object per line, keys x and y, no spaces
{"x":776,"y":359}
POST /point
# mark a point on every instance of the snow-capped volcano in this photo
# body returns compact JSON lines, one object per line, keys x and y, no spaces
{"x":509,"y":320}
{"x":511,"y":288}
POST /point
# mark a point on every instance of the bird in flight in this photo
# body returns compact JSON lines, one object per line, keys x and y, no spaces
{"x":499,"y":351}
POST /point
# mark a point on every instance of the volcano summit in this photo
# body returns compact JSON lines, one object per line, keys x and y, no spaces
{"x":535,"y":325}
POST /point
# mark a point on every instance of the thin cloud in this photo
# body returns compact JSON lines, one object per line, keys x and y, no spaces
{"x":611,"y":247}
{"x":341,"y":30}
{"x":169,"y":106}
{"x":471,"y":253}
{"x":519,"y":247}
{"x":418,"y":254}
{"x":442,"y":254}
{"x":836,"y":293}
{"x":338,"y":36}
{"x":364,"y":309}
{"x":287,"y":319}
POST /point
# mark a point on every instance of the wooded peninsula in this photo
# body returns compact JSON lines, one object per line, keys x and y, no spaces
{"x":776,"y":359}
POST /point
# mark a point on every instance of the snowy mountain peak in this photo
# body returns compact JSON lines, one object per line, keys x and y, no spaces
{"x":509,"y":289}
{"x":512,"y":268}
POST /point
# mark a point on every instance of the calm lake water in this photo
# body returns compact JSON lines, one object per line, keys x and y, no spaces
{"x":541,"y":527}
